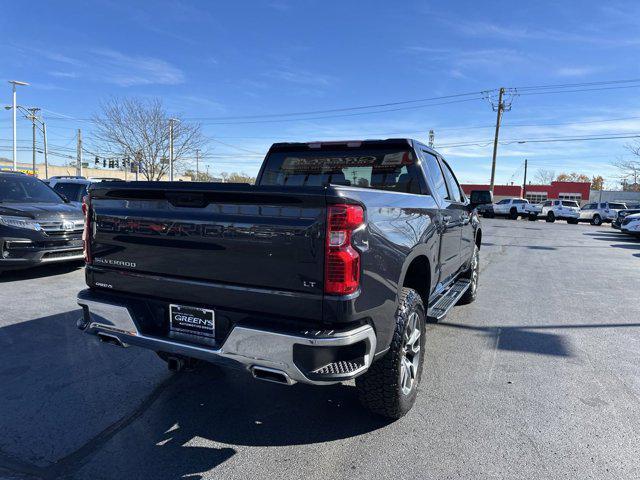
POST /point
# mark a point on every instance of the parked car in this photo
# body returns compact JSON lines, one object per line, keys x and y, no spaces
{"x":326,"y":270}
{"x":36,"y":225}
{"x":533,"y":210}
{"x":597,"y":213}
{"x":622,"y":214}
{"x":511,"y":207}
{"x":74,"y":189}
{"x":631,"y":224}
{"x":553,"y":210}
{"x":486,"y":210}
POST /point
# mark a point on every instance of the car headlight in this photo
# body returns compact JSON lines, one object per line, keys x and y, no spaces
{"x":19,"y":222}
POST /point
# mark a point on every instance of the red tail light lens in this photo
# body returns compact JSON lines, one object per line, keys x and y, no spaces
{"x":86,"y":233}
{"x":342,"y":261}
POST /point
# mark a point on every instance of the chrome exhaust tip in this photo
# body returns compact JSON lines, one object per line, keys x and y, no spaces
{"x":175,"y":364}
{"x":111,"y":339}
{"x":271,"y":375}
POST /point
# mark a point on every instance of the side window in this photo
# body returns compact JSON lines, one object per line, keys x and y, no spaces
{"x":432,"y":169}
{"x":547,"y":204}
{"x":454,"y":188}
{"x":503,"y":202}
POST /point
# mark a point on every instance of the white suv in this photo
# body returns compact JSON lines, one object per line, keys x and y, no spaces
{"x":631,"y":224}
{"x":596,"y":213}
{"x":568,"y":210}
{"x":512,"y":207}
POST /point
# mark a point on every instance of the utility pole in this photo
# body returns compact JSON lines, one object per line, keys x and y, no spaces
{"x":171,"y":120}
{"x":197,"y":165}
{"x":32,"y":117}
{"x":46,"y":151}
{"x":499,"y":109}
{"x":432,"y":137}
{"x":524,"y":184}
{"x":79,"y":154}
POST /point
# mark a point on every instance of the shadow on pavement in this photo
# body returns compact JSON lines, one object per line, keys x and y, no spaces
{"x":528,"y":339}
{"x":74,"y":407}
{"x":40,"y":271}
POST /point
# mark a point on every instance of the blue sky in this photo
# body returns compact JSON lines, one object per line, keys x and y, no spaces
{"x":209,"y":60}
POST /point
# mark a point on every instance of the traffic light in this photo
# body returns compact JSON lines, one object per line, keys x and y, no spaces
{"x":97,"y":161}
{"x":110,"y":163}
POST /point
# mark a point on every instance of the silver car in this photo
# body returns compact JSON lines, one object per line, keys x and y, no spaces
{"x":597,"y":213}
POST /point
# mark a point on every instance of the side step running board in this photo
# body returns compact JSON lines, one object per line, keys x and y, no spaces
{"x":441,"y":305}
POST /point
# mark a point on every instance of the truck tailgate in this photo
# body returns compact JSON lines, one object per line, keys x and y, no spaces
{"x":210,"y":243}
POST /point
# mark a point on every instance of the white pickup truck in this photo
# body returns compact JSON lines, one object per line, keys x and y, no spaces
{"x":511,"y":207}
{"x":553,"y":210}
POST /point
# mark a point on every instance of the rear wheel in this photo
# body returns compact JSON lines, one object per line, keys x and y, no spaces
{"x":513,"y":213}
{"x":390,"y":386}
{"x":596,"y":220}
{"x":551,"y":217}
{"x":533,"y":217}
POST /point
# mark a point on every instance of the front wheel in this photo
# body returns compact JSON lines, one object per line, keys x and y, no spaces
{"x":596,"y":220}
{"x":390,"y":386}
{"x":513,"y":214}
{"x":472,"y":275}
{"x":551,"y":217}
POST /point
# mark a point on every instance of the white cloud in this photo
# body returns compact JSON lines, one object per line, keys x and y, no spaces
{"x":576,"y":71}
{"x":488,"y":29}
{"x":127,"y":70}
{"x":301,"y":77}
{"x":108,"y":65}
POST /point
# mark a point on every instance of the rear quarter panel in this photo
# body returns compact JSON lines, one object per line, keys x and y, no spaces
{"x":399,"y":228}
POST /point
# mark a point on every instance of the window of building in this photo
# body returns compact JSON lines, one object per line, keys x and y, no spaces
{"x":536,"y":197}
{"x":575,"y":197}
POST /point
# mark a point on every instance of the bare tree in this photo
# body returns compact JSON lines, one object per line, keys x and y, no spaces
{"x":629,"y":170}
{"x":544,"y":176}
{"x":139,"y":129}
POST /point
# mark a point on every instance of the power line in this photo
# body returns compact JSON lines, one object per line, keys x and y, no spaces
{"x":582,"y":84}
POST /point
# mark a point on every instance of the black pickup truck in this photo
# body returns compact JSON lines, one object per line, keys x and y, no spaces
{"x":326,"y":270}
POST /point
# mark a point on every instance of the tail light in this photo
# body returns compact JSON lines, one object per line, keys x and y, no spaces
{"x":342,"y":261}
{"x":86,"y":233}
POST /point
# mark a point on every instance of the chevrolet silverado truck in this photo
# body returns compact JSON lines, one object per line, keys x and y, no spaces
{"x":324,"y":271}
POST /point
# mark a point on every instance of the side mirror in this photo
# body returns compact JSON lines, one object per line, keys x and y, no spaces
{"x":480,"y":197}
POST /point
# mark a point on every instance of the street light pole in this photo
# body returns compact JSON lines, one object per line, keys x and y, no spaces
{"x":14,"y":83}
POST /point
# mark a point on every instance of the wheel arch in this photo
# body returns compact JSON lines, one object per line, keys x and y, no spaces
{"x":418,"y":275}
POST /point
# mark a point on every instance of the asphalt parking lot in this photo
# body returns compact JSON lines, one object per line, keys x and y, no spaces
{"x":539,"y":378}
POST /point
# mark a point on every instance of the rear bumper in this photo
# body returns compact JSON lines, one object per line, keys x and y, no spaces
{"x":318,"y":358}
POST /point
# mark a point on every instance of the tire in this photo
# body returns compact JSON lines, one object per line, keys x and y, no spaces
{"x":390,"y":386}
{"x":596,"y":220}
{"x":533,"y":217}
{"x":472,"y":273}
{"x":513,"y":213}
{"x":551,"y":217}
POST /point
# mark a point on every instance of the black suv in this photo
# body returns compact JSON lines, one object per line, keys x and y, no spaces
{"x":36,"y":224}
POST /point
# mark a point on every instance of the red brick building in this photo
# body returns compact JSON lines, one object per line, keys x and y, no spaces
{"x":578,"y":191}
